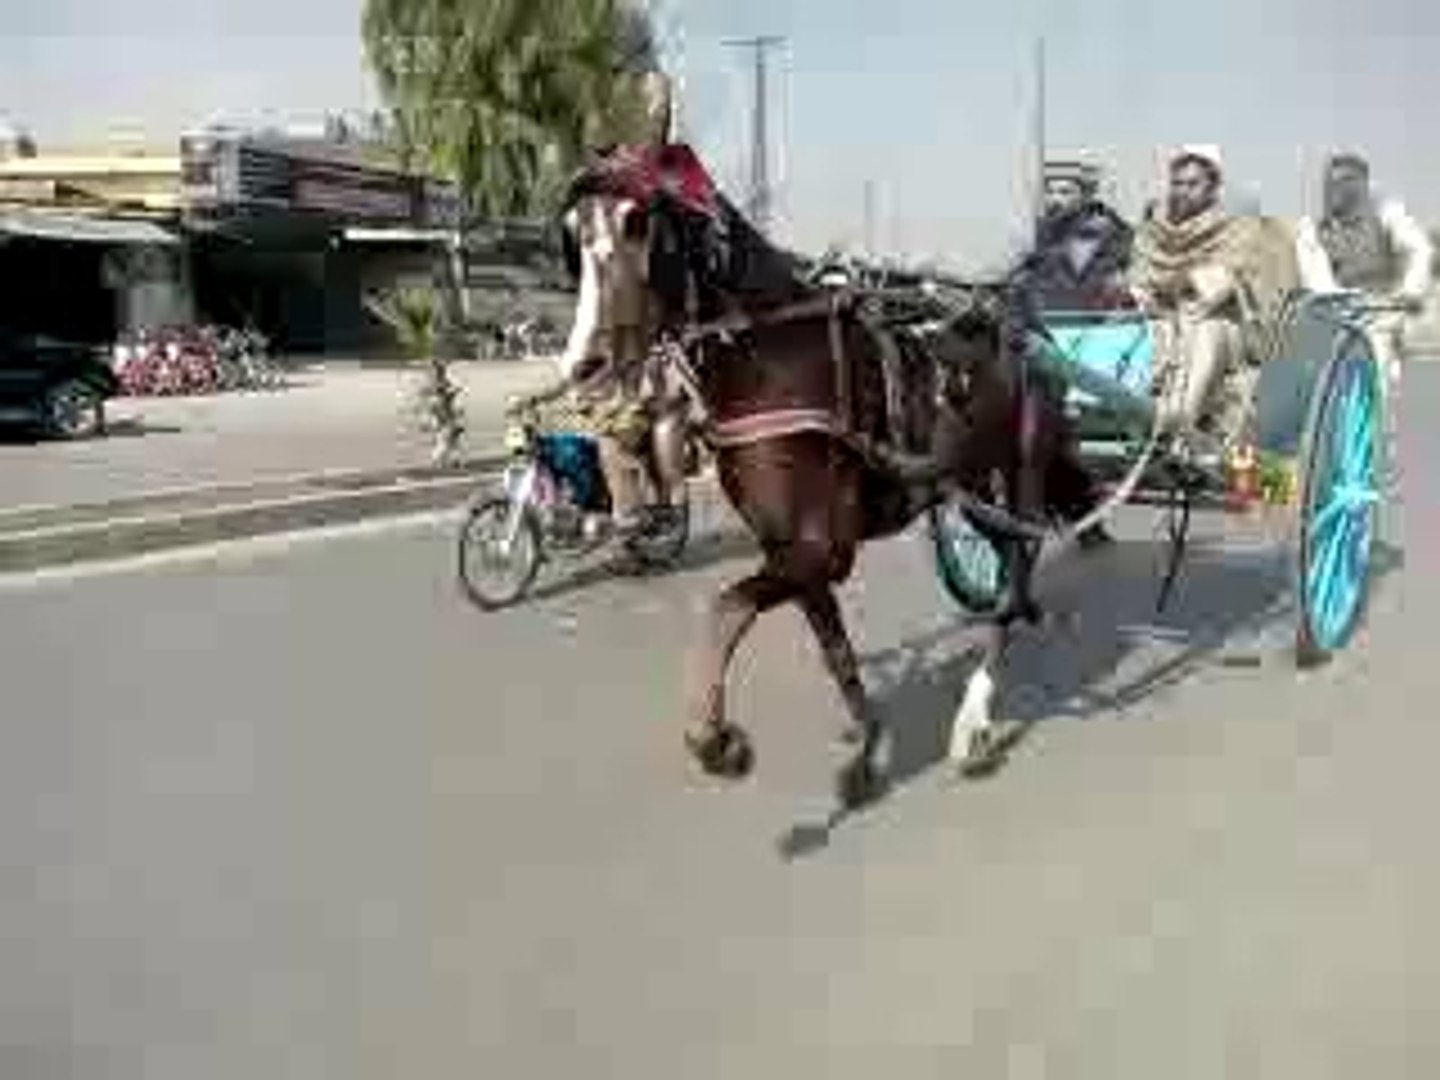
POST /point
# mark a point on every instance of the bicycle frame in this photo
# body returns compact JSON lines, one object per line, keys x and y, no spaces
{"x":521,"y":486}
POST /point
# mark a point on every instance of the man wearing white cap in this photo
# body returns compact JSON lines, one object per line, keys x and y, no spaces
{"x":1081,"y":251}
{"x":1082,"y":247}
{"x":1204,"y":273}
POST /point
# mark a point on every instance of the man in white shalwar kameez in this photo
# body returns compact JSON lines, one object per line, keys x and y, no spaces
{"x":1371,"y":246}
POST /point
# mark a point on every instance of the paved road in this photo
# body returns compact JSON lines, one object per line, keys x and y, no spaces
{"x":346,"y":417}
{"x":303,"y":814}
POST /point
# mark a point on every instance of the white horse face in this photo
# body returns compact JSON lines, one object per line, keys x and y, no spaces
{"x":613,"y":311}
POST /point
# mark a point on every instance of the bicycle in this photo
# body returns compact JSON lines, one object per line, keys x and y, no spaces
{"x":554,"y":499}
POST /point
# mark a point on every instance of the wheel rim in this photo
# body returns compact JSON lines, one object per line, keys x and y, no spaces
{"x":494,"y":571}
{"x":1340,"y":510}
{"x":70,"y":410}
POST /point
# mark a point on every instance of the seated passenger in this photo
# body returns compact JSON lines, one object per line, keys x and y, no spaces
{"x":1082,"y":247}
{"x":1081,"y":251}
{"x":1209,"y":277}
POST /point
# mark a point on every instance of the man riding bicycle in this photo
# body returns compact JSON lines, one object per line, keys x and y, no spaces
{"x":639,"y":431}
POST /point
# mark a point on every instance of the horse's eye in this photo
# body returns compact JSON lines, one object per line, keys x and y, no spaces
{"x":635,"y":224}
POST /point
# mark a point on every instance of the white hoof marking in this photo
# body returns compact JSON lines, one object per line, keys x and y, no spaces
{"x":973,"y":716}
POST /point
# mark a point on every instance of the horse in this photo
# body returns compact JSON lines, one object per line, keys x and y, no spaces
{"x":825,"y":429}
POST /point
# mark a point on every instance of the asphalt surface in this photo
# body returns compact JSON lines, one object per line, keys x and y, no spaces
{"x":305,"y":814}
{"x":345,"y":417}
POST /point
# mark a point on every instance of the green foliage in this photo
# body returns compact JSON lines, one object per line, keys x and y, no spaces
{"x":413,"y":314}
{"x":1278,"y":479}
{"x":504,"y":95}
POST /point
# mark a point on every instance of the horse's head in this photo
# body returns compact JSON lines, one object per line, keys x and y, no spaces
{"x":644,"y":237}
{"x":654,"y":245}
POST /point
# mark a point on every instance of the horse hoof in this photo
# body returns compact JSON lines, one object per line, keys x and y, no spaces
{"x":723,"y":750}
{"x":987,"y":750}
{"x":859,"y":784}
{"x":983,"y":755}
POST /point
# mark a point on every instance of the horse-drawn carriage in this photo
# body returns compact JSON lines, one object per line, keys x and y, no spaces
{"x":1316,"y":413}
{"x":815,"y":403}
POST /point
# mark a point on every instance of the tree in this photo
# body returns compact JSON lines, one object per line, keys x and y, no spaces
{"x":505,"y":95}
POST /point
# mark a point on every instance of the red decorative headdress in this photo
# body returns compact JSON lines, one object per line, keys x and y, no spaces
{"x":643,"y":172}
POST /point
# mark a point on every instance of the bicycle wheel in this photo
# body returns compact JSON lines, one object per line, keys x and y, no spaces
{"x":494,"y":573}
{"x":1339,"y":497}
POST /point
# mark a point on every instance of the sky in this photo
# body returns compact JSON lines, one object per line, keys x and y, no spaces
{"x":931,"y":101}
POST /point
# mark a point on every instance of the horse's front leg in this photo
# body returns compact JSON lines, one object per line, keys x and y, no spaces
{"x":859,"y":781}
{"x":977,"y":742}
{"x":722,"y":748}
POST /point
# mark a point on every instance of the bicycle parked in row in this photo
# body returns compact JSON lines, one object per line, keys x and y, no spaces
{"x":194,"y":360}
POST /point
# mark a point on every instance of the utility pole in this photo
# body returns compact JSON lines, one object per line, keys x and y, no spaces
{"x":1040,"y":135}
{"x":894,"y":240}
{"x":869,"y":219}
{"x":760,"y":135}
{"x":670,"y":32}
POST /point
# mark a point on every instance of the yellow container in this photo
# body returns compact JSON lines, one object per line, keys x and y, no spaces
{"x":1280,"y":481}
{"x":1243,"y":478}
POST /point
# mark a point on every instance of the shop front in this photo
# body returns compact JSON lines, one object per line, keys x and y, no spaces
{"x":89,"y":278}
{"x":291,"y":236}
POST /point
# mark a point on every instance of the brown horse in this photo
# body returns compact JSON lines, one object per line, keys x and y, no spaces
{"x":830,"y":428}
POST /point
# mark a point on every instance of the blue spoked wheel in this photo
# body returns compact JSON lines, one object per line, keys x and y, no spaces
{"x":1339,"y":500}
{"x":969,"y":565}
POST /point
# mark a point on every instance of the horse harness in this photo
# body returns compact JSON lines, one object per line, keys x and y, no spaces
{"x":837,"y":421}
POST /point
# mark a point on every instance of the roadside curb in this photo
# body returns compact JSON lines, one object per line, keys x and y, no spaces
{"x":35,"y":537}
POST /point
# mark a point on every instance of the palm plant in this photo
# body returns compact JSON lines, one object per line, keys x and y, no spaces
{"x":414,"y":315}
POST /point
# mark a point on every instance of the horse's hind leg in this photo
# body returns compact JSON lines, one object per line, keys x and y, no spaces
{"x":859,"y":780}
{"x":722,"y":748}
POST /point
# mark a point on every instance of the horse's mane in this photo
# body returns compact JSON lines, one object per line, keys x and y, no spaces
{"x":761,"y":272}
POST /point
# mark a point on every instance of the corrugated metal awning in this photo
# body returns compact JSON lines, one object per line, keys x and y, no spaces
{"x":76,"y":229}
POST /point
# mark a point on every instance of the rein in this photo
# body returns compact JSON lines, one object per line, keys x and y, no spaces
{"x":740,"y":321}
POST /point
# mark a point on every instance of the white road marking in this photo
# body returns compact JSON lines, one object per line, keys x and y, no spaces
{"x":225,"y":552}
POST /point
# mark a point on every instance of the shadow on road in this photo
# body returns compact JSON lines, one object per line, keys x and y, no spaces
{"x":1225,"y":605}
{"x":704,"y":550}
{"x":132,"y":428}
{"x":119,"y":428}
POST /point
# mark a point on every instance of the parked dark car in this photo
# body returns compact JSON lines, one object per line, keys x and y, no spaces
{"x":58,"y":388}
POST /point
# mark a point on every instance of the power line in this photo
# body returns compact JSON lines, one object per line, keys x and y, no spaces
{"x":760,"y":194}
